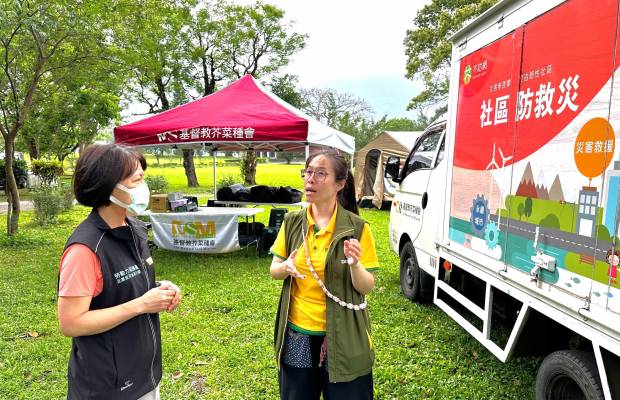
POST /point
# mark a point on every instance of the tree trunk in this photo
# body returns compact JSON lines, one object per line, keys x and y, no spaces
{"x":12,"y":218}
{"x":9,"y":135}
{"x":190,"y":170}
{"x":161,"y":93}
{"x":33,"y":148}
{"x":249,"y":168}
{"x":188,"y":154}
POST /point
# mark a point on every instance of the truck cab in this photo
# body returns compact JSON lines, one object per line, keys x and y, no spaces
{"x":417,"y":202}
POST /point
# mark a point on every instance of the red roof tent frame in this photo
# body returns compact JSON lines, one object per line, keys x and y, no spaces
{"x":242,"y":116}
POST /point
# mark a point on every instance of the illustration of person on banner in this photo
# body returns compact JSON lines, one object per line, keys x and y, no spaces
{"x":326,"y":256}
{"x":108,"y":298}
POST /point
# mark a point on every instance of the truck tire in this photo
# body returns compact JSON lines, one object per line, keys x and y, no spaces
{"x":21,"y":182}
{"x":568,"y":374}
{"x":409,"y":273}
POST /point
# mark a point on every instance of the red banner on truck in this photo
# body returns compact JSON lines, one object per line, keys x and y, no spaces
{"x":521,"y":91}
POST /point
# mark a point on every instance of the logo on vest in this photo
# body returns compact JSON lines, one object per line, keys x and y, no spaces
{"x":127,"y":384}
{"x":127,"y":274}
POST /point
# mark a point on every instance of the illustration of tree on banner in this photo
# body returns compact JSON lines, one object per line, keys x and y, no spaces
{"x":527,"y":210}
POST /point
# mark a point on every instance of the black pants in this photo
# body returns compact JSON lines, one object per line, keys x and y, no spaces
{"x":308,"y":383}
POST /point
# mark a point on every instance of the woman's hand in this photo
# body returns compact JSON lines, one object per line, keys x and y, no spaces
{"x":352,"y":251}
{"x":156,"y":300}
{"x":77,"y":319}
{"x":177,"y":294}
{"x":290,"y":267}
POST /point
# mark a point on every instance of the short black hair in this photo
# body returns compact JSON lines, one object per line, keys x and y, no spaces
{"x":98,"y":170}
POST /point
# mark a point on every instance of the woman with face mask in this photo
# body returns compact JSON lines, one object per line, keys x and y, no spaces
{"x":108,"y":299}
{"x":325,"y":255}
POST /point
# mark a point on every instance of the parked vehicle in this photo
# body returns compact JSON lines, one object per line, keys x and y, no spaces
{"x":507,"y":210}
{"x":20,"y":171}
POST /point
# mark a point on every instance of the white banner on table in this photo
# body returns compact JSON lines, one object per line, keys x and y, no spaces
{"x":195,"y":232}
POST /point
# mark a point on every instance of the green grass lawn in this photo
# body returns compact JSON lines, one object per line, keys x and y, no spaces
{"x":172,"y":168}
{"x":218,"y":344}
{"x":266,"y":174}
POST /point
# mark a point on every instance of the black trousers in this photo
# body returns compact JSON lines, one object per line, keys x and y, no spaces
{"x":309,"y":383}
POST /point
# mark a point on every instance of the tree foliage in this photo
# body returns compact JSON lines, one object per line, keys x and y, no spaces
{"x":329,"y":106}
{"x":41,"y":44}
{"x":352,"y":115}
{"x":182,"y":50}
{"x":65,"y":66}
{"x":153,"y":49}
{"x":257,"y":40}
{"x":428,"y":48}
{"x":285,"y":87}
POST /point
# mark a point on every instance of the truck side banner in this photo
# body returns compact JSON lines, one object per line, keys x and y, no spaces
{"x":535,"y":156}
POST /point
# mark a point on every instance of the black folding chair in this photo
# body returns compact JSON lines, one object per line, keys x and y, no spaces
{"x":276,"y":217}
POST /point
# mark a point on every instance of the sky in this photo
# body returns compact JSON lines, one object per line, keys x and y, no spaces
{"x":354,"y":47}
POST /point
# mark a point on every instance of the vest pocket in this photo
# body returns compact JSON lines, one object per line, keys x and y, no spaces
{"x":114,"y":365}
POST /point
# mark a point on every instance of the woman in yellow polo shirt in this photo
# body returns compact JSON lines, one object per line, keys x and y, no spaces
{"x":325,"y":255}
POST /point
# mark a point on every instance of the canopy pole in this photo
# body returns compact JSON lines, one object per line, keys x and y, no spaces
{"x":307,"y":151}
{"x":214,"y":181}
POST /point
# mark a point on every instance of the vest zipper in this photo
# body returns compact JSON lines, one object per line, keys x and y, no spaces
{"x":148,"y":318}
{"x":337,"y":237}
{"x":327,"y":257}
{"x":288,"y":307}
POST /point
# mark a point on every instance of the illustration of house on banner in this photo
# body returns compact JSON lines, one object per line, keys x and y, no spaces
{"x":586,"y":216}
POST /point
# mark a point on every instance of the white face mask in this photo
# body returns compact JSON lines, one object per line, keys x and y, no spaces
{"x":140,"y":197}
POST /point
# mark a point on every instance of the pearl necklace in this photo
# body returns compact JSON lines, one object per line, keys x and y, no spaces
{"x":342,"y":303}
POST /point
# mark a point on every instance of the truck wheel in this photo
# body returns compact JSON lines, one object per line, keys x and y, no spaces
{"x":568,"y":374}
{"x":409,"y":272}
{"x":21,"y":182}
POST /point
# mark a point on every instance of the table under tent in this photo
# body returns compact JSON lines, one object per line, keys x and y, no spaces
{"x":243,"y":116}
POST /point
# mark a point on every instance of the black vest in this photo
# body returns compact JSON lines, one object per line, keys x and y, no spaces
{"x":124,"y":362}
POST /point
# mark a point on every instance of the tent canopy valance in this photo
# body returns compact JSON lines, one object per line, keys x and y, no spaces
{"x":242,"y":116}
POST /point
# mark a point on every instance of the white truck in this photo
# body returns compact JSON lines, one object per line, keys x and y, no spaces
{"x":507,"y":210}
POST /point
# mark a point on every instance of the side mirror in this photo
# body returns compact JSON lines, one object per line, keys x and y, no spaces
{"x":391,"y":168}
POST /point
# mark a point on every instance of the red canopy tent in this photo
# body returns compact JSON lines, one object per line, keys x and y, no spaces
{"x":242,"y":116}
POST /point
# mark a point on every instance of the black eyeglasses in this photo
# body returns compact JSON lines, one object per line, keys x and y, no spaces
{"x":319,"y":176}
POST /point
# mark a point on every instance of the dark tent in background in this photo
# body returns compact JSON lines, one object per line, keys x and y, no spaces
{"x":371,"y":187}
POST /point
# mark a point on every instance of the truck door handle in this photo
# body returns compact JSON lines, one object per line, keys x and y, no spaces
{"x":424,"y":200}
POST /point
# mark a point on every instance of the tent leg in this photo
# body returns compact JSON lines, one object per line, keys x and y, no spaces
{"x":214,"y":181}
{"x":307,"y":151}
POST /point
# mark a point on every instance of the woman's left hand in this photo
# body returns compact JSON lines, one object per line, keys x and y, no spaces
{"x":177,"y":294}
{"x":352,"y":251}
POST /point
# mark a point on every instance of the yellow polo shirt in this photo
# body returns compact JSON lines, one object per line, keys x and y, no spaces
{"x":307,"y":312}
